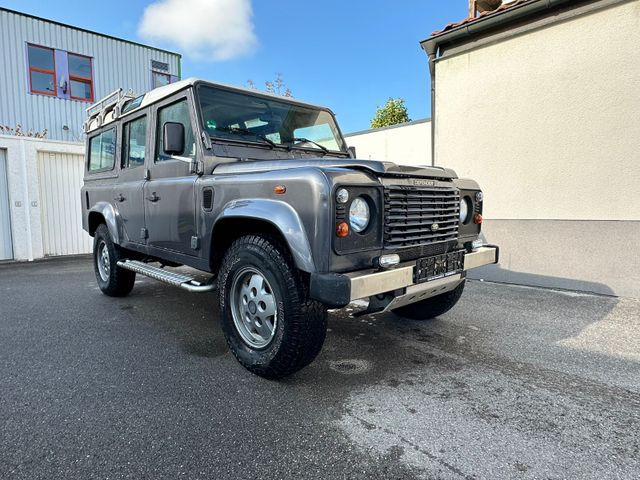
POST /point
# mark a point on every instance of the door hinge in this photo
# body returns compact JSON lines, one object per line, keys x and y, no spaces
{"x":144,"y":233}
{"x":195,"y":243}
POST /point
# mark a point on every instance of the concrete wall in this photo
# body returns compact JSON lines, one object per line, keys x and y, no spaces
{"x":24,"y":190}
{"x":548,"y":122}
{"x":407,"y":143}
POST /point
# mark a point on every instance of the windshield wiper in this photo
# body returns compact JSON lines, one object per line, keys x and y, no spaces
{"x":306,"y":140}
{"x":244,"y":131}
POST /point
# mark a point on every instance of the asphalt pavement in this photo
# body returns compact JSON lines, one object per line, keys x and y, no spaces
{"x":514,"y":382}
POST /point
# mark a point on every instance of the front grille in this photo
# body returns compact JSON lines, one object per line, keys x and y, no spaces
{"x":411,"y":212}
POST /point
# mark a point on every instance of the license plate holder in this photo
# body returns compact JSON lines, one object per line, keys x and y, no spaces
{"x":438,"y":266}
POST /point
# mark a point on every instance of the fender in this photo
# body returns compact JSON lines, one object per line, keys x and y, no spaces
{"x":110,"y":217}
{"x":283,"y":217}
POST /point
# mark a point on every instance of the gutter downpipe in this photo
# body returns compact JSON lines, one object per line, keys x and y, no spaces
{"x":432,"y":50}
{"x":431,"y":46}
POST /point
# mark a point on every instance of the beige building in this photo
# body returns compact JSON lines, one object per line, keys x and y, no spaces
{"x":539,"y":101}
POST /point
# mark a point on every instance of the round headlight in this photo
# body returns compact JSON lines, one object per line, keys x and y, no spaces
{"x":342,"y":195}
{"x":359,"y":214}
{"x":464,"y":210}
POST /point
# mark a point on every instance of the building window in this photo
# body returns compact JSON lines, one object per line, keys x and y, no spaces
{"x":160,"y":79}
{"x":80,"y":77}
{"x":42,"y":70}
{"x":48,"y":65}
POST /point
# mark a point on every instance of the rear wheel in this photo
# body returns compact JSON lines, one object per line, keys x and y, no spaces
{"x":431,"y":307}
{"x":112,"y":279}
{"x":271,"y":325}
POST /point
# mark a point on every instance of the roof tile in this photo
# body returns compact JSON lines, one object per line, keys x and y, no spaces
{"x":501,"y":8}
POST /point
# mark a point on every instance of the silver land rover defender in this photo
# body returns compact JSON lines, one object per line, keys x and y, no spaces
{"x":262,"y":193}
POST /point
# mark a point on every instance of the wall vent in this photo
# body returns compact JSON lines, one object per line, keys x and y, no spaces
{"x":159,"y":66}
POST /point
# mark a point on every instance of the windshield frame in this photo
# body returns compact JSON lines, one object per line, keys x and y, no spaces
{"x":258,"y":142}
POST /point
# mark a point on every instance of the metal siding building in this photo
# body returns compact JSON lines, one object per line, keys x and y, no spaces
{"x":114,"y":63}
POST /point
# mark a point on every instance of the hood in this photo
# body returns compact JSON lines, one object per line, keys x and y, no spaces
{"x":374,"y":166}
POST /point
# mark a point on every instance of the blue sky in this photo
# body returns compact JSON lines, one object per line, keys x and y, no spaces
{"x":348,"y":55}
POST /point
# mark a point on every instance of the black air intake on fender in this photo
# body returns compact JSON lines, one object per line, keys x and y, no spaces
{"x":207,"y":199}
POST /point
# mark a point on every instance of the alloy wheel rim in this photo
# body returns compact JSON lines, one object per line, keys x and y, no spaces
{"x":103,"y":261}
{"x":253,"y":307}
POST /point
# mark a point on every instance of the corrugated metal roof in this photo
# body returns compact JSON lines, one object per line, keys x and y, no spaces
{"x":501,"y":8}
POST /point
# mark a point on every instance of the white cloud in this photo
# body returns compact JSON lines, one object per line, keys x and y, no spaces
{"x":203,"y":29}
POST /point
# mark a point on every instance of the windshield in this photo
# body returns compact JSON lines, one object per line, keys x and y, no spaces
{"x":234,"y":115}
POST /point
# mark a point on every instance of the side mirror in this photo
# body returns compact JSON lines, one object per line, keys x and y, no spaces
{"x":352,"y":152}
{"x":173,"y":138}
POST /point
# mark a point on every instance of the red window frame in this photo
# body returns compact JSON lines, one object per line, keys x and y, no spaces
{"x":42,"y":70}
{"x":78,"y":78}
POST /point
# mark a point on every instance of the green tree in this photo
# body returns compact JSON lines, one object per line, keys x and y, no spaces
{"x":392,"y":113}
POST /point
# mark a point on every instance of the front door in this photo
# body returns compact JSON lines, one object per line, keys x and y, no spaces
{"x":129,"y":191}
{"x":170,"y":213}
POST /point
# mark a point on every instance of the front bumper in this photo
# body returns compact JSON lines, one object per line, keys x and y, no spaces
{"x":339,"y":289}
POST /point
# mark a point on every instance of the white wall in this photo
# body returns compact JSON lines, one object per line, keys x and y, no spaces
{"x":407,"y":143}
{"x":548,"y":121}
{"x":24,"y":190}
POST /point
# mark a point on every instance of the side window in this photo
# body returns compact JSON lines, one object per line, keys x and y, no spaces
{"x":177,"y":112}
{"x":42,"y":70}
{"x":102,"y":151}
{"x":134,"y":142}
{"x":80,"y":77}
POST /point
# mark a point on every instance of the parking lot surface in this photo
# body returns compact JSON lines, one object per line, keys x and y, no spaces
{"x":514,"y":382}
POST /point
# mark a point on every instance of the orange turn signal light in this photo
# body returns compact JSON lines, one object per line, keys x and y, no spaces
{"x":477,"y":219}
{"x":342,"y":229}
{"x":280,"y":189}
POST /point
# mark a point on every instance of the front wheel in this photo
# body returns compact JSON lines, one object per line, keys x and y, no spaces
{"x":112,"y":279}
{"x":431,"y":307}
{"x":271,"y":325}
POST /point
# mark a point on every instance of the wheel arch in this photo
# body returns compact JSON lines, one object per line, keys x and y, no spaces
{"x":103,"y":212}
{"x":260,"y":216}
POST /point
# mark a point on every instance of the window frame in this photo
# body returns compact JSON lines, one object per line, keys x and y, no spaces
{"x":125,"y":142}
{"x":42,"y":70}
{"x":80,"y":79}
{"x":115,"y":151}
{"x":158,"y":134}
{"x":163,"y":74}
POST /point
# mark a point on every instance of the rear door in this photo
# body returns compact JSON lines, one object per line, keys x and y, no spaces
{"x":169,"y":194}
{"x":129,"y":191}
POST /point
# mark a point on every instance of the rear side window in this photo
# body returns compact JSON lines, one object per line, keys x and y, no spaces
{"x":102,"y":151}
{"x":134,"y":142}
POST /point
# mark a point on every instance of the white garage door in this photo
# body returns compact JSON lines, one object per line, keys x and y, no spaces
{"x":60,"y":177}
{"x":6,"y":249}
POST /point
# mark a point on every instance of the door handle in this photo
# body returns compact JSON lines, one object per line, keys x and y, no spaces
{"x":120,"y":198}
{"x":153,"y":197}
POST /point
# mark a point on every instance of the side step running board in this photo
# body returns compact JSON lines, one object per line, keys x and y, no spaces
{"x":172,"y":278}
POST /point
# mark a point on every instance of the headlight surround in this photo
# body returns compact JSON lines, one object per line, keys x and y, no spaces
{"x":359,"y":215}
{"x":465,"y":209}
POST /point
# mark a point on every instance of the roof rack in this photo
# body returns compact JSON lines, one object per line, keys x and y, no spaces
{"x":112,"y":103}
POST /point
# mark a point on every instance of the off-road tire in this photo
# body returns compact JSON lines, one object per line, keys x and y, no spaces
{"x":301,"y":324}
{"x":119,"y":281}
{"x":431,"y":307}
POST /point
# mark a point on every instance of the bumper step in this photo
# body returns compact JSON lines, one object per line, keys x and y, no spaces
{"x":172,"y":278}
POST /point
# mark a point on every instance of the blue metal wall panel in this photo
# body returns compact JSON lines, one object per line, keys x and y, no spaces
{"x":116,"y":63}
